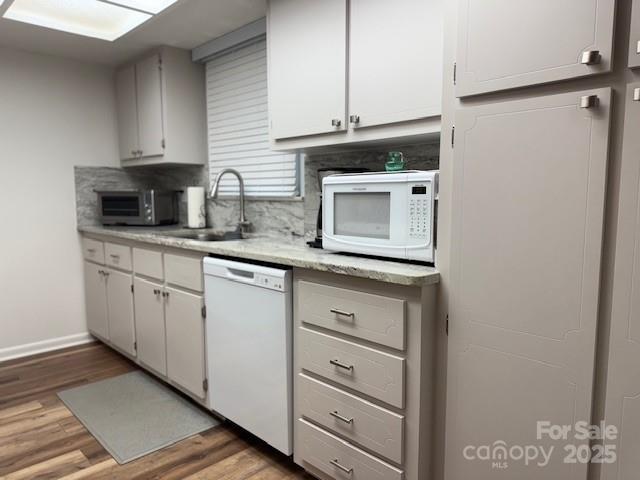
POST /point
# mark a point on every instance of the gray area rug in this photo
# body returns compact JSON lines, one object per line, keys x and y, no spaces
{"x":133,"y":415}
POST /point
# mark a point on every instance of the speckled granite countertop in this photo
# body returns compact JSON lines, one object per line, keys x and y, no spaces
{"x":272,"y":250}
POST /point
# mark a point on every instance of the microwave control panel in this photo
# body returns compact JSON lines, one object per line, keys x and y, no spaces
{"x":420,"y":204}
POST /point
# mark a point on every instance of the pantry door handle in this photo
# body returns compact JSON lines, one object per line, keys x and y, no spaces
{"x":342,"y":313}
{"x":339,"y":364}
{"x":336,"y":464}
{"x":335,"y":414}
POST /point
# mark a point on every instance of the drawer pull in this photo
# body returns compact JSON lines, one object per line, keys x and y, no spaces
{"x":335,"y":414}
{"x":336,"y":464}
{"x":114,"y":256}
{"x":91,"y":250}
{"x":342,"y":313}
{"x":339,"y":364}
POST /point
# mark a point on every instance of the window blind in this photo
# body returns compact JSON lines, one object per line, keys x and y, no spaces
{"x":237,"y":120}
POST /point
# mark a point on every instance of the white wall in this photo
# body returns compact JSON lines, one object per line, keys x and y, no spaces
{"x":54,"y":114}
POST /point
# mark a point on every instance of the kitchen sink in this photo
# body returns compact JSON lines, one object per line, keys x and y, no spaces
{"x":208,"y":236}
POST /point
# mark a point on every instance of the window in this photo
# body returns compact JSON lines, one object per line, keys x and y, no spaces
{"x":238,"y":126}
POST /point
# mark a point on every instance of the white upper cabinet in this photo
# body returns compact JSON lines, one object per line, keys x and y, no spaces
{"x":150,"y":111}
{"x":307,"y":49}
{"x":395,"y":60}
{"x":506,"y":44}
{"x":528,"y":206}
{"x":353,"y":71}
{"x":127,"y":112}
{"x":634,"y":36}
{"x":161,"y":110}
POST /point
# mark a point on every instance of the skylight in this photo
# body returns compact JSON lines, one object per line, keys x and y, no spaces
{"x":91,"y":18}
{"x":148,"y":6}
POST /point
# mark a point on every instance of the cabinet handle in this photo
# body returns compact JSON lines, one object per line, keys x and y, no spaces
{"x":339,"y":364}
{"x":354,"y":118}
{"x":91,"y":250}
{"x":134,"y":153}
{"x":337,"y":415}
{"x":590,"y":57}
{"x":336,"y":464}
{"x":165,"y":294}
{"x":139,"y":153}
{"x":588,"y":101}
{"x":336,"y":122}
{"x":636,"y":94}
{"x":156,"y":291}
{"x":114,"y":256}
{"x":342,"y":313}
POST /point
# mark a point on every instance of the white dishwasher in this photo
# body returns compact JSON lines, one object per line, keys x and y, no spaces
{"x":249,"y":347}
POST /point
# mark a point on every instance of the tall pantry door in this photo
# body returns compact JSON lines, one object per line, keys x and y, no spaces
{"x":528,"y":200}
{"x":504,"y":44}
{"x":623,"y":380}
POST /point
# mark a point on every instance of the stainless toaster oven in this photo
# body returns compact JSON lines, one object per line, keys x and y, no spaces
{"x":138,"y":207}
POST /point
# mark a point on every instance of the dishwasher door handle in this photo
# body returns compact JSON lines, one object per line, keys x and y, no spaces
{"x":240,"y":275}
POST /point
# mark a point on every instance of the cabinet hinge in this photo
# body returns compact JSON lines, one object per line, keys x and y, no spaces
{"x":453,"y":136}
{"x":447,"y":326}
{"x":205,"y":385}
{"x":204,"y":311}
{"x":163,"y":143}
{"x":132,"y":288}
{"x":455,"y":72}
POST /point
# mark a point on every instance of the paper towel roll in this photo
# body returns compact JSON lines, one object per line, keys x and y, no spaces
{"x":196,"y":207}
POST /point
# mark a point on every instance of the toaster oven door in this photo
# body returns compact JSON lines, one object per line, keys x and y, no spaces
{"x":121,"y":208}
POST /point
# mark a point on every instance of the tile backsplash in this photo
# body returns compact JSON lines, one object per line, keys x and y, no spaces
{"x":291,"y":218}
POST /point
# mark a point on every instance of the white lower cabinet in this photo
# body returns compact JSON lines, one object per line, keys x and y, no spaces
{"x":150,"y":330}
{"x":120,"y":310}
{"x":185,"y":340}
{"x":96,"y":300}
{"x":149,"y":306}
{"x":362,"y":410}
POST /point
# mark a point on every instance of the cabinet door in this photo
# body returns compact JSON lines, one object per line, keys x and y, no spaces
{"x":185,"y":340}
{"x":504,"y":44}
{"x":150,"y":330}
{"x":127,"y":112}
{"x":528,"y":201}
{"x":307,"y":50}
{"x":399,"y":44}
{"x":634,"y":36}
{"x":623,"y":379}
{"x":96,"y":300}
{"x":150,"y":110}
{"x":120,"y":308}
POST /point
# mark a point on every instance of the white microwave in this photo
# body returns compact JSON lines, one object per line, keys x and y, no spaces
{"x":382,"y":214}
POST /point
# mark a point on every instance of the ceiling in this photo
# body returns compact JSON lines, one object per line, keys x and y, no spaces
{"x":186,"y":24}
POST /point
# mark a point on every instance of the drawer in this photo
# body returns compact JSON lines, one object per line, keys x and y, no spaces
{"x":371,"y":426}
{"x":118,"y":256}
{"x":184,"y":271}
{"x":148,"y":262}
{"x":364,"y":369}
{"x":371,"y":317}
{"x":93,"y":250}
{"x":338,"y":458}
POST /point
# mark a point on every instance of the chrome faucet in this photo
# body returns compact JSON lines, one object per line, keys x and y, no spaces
{"x":243,"y":223}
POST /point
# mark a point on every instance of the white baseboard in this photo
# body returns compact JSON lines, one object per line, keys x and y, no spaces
{"x":44,"y":346}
